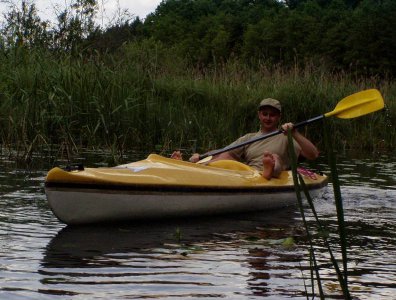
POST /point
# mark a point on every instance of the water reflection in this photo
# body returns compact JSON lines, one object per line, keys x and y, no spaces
{"x":200,"y":257}
{"x":375,"y":171}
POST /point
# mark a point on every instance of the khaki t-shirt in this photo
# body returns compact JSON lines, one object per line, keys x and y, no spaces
{"x":252,"y":154}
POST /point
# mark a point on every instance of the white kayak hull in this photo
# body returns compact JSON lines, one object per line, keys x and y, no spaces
{"x":94,"y":206}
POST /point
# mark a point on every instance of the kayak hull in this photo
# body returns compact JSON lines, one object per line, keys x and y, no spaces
{"x":113,"y":206}
{"x":81,"y":201}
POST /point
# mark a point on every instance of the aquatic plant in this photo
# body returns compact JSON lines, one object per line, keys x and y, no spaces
{"x":146,"y":97}
{"x":301,"y":188}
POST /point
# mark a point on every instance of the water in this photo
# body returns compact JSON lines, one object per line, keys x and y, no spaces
{"x":249,"y":256}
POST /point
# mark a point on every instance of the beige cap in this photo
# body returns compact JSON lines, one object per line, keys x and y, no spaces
{"x":270,"y":102}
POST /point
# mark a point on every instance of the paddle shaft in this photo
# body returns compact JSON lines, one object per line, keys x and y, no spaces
{"x":263,"y":137}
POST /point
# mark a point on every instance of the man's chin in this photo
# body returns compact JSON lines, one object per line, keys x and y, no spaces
{"x":269,"y":127}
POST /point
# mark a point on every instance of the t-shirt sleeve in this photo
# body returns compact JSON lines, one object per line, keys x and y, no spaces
{"x":238,"y":153}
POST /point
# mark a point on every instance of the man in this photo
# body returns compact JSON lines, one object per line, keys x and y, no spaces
{"x":269,"y":155}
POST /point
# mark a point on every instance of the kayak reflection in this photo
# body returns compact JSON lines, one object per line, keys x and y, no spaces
{"x":81,"y":245}
{"x":212,"y":257}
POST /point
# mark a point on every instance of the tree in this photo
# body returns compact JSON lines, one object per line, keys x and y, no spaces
{"x":75,"y":24}
{"x":23,"y":27}
{"x":372,"y":37}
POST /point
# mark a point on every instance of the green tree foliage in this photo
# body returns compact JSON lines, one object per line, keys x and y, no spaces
{"x":75,"y":24}
{"x":23,"y":27}
{"x":115,"y":36}
{"x":341,"y":33}
{"x":357,"y":35}
{"x":371,"y":42}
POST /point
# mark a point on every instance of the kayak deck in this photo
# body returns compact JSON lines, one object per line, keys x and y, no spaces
{"x":161,"y":172}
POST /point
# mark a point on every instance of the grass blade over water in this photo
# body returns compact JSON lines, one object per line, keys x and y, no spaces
{"x":300,"y":186}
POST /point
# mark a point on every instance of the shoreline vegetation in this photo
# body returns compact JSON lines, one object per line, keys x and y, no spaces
{"x":145,"y":97}
{"x":171,"y":81}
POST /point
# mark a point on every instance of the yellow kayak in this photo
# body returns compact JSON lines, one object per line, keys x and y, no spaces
{"x":160,"y":187}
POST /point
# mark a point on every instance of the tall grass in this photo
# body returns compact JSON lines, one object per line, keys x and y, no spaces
{"x":145,"y":96}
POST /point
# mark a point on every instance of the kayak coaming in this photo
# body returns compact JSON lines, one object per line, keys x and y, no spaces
{"x":159,"y":187}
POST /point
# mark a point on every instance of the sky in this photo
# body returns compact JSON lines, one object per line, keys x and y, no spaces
{"x":109,"y":9}
{"x":138,"y":7}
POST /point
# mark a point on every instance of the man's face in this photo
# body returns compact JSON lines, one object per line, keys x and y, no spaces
{"x":269,"y":118}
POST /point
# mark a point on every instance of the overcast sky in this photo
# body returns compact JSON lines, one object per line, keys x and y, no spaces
{"x":138,"y":7}
{"x":47,"y":8}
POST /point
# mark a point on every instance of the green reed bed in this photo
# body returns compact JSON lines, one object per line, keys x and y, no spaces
{"x":146,"y":97}
{"x":317,"y":229}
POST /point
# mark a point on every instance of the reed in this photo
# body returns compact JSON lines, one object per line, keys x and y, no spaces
{"x":147,"y":97}
{"x":340,"y":213}
{"x":342,"y":276}
{"x":315,"y":274}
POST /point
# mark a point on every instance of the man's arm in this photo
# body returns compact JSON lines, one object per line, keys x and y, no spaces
{"x":308,"y":149}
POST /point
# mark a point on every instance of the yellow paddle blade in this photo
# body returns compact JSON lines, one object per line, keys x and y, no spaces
{"x":358,"y":104}
{"x":205,"y":160}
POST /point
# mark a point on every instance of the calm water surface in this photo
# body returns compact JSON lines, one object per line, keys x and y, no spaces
{"x":230,"y":257}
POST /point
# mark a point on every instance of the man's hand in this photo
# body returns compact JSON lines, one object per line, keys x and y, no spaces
{"x":194,"y":158}
{"x":285,"y":127}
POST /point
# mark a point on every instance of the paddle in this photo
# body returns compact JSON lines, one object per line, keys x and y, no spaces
{"x":353,"y":106}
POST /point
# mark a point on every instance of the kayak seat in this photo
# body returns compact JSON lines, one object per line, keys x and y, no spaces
{"x":230,"y":165}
